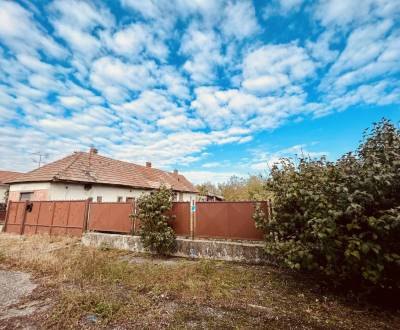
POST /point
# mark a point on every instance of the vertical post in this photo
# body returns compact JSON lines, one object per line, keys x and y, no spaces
{"x":23,"y":218}
{"x":52,"y":216}
{"x":86,"y":216}
{"x":133,"y":230}
{"x":192,"y":218}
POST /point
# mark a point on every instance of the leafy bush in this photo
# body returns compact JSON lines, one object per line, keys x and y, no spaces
{"x":340,"y":218}
{"x":152,"y":212}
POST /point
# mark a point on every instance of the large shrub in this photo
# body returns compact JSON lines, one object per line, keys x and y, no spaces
{"x":340,"y":218}
{"x":155,"y":231}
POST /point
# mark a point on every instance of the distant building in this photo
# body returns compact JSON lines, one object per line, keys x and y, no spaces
{"x":87,"y":175}
{"x":210,"y":197}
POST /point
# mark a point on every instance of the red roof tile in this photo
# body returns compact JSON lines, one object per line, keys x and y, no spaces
{"x":93,"y":168}
{"x":7,"y":175}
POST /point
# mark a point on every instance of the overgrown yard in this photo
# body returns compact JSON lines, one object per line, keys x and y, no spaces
{"x":88,"y":288}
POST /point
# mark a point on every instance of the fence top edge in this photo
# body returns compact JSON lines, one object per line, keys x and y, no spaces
{"x":221,"y":202}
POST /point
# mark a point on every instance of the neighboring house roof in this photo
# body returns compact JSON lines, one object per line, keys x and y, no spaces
{"x":90,"y":167}
{"x":7,"y":175}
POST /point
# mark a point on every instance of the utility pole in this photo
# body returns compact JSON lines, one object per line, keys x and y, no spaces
{"x":41,"y":156}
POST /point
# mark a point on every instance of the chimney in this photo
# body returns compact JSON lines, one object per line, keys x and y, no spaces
{"x":148,"y":164}
{"x":175,"y":172}
{"x":93,"y":151}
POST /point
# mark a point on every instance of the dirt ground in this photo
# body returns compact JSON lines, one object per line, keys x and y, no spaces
{"x":55,"y":283}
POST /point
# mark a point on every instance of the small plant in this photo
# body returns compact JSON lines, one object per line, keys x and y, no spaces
{"x":152,"y":213}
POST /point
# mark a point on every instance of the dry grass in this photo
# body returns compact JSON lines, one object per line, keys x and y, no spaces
{"x":180,"y":294}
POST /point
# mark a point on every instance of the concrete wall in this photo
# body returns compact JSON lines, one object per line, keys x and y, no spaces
{"x":63,"y":191}
{"x":208,"y":249}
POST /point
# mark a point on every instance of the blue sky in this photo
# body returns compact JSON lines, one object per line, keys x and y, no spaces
{"x":213,"y":88}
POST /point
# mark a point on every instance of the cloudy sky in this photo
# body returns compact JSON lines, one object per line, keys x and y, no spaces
{"x":213,"y":88}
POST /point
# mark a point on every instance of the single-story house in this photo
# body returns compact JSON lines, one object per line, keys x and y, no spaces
{"x":5,"y":176}
{"x":88,"y":175}
{"x":210,"y":197}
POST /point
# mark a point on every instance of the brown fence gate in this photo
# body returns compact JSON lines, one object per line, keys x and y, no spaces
{"x":50,"y":217}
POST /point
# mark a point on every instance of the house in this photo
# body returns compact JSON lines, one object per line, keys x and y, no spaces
{"x":88,"y":175}
{"x":4,"y":177}
{"x":210,"y":197}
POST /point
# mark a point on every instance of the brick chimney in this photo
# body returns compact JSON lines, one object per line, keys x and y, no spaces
{"x":93,"y":151}
{"x":148,"y":164}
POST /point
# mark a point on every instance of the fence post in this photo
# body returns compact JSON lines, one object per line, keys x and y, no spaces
{"x":86,"y":216}
{"x":192,"y":218}
{"x":23,"y":218}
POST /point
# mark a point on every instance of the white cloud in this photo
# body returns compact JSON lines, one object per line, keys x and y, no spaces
{"x":16,"y":23}
{"x":72,"y":101}
{"x":271,"y":67}
{"x":135,"y":39}
{"x":203,"y":49}
{"x":115,"y":78}
{"x":347,"y":13}
{"x":240,"y":20}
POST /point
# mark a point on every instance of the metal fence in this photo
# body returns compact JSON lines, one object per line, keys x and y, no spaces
{"x":50,"y":217}
{"x":224,"y":220}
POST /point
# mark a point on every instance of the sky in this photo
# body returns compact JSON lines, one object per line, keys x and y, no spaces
{"x":211,"y":88}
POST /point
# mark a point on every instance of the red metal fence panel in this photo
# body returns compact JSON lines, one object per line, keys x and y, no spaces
{"x":225,"y":220}
{"x":181,"y":223}
{"x":48,"y":217}
{"x":15,"y":217}
{"x":229,"y":220}
{"x":111,"y":217}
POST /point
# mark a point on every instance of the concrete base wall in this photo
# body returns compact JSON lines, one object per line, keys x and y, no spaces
{"x":208,"y":249}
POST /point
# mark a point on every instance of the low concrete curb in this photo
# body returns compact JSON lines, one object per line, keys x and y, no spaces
{"x":208,"y":249}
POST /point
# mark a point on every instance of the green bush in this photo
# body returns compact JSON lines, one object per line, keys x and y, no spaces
{"x":342,"y":218}
{"x":152,"y":212}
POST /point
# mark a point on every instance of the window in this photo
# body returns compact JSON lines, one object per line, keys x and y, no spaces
{"x":181,"y":197}
{"x":25,"y":196}
{"x":90,"y":199}
{"x":99,"y":199}
{"x":130,"y":199}
{"x":119,"y":199}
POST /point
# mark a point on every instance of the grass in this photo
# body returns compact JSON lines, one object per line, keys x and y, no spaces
{"x":105,"y":288}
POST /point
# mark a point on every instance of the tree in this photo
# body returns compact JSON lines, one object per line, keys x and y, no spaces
{"x":251,"y":188}
{"x":152,"y":213}
{"x":340,"y":218}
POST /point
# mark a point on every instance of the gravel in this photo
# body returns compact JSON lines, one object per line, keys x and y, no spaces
{"x":13,"y":287}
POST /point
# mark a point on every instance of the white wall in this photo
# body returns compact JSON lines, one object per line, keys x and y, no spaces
{"x":60,"y":191}
{"x":63,"y":191}
{"x":27,"y":187}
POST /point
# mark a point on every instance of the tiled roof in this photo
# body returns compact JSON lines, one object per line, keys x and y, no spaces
{"x":93,"y":168}
{"x":7,"y":175}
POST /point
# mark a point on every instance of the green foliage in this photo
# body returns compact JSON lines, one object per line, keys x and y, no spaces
{"x":155,"y":231}
{"x":340,"y":218}
{"x":251,"y":188}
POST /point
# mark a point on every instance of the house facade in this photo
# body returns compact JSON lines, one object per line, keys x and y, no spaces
{"x":82,"y":176}
{"x":5,"y":176}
